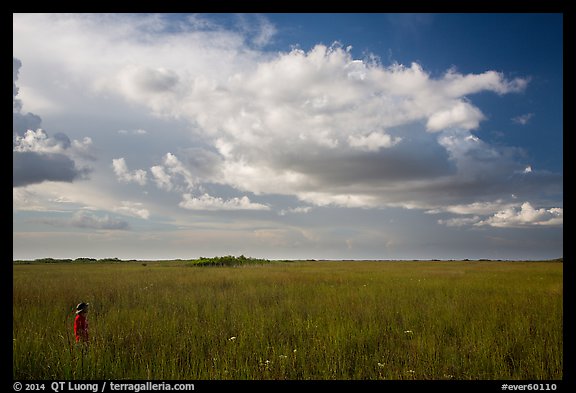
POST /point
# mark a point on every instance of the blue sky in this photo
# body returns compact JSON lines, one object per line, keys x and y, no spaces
{"x":326,"y":136}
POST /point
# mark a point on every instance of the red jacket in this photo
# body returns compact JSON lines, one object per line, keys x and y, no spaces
{"x":81,"y":328}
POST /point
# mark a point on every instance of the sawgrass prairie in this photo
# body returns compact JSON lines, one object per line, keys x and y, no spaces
{"x":300,"y":320}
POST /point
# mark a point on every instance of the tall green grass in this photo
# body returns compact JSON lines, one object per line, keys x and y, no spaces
{"x":297,"y":321}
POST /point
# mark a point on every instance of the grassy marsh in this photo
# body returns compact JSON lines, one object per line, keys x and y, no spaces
{"x":299,"y":320}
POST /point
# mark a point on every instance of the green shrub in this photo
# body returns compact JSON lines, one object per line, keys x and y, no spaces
{"x":228,"y":260}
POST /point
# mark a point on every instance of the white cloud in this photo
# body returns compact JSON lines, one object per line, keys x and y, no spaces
{"x":500,"y":213}
{"x":161,"y":178}
{"x":175,"y":167}
{"x":460,"y":115}
{"x":126,"y":176}
{"x":39,"y":142}
{"x":172,"y":173}
{"x":458,"y":85}
{"x":373,"y":141}
{"x":317,"y":103}
{"x":524,"y":216}
{"x":207,"y":202}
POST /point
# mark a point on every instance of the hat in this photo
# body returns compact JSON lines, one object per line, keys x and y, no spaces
{"x":81,"y":307}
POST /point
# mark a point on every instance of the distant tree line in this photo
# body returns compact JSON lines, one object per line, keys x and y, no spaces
{"x":67,"y":260}
{"x":228,"y":260}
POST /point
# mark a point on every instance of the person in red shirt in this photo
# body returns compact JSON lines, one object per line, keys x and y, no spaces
{"x":81,"y":323}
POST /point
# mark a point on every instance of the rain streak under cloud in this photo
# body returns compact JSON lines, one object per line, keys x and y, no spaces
{"x":195,"y":136}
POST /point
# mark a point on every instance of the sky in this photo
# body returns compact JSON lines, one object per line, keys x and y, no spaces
{"x":288,"y":136}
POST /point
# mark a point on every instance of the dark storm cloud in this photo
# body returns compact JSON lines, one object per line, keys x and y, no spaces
{"x":31,"y":167}
{"x":36,"y":156}
{"x":24,"y":122}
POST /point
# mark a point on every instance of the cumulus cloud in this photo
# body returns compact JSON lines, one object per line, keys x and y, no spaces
{"x":458,"y":85}
{"x":123,"y":174}
{"x":172,"y":174}
{"x":36,"y":156}
{"x":161,"y":178}
{"x":524,"y":216}
{"x":39,"y":142}
{"x":319,"y":124}
{"x":460,"y":115}
{"x":321,"y":106}
{"x":503,"y":215}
